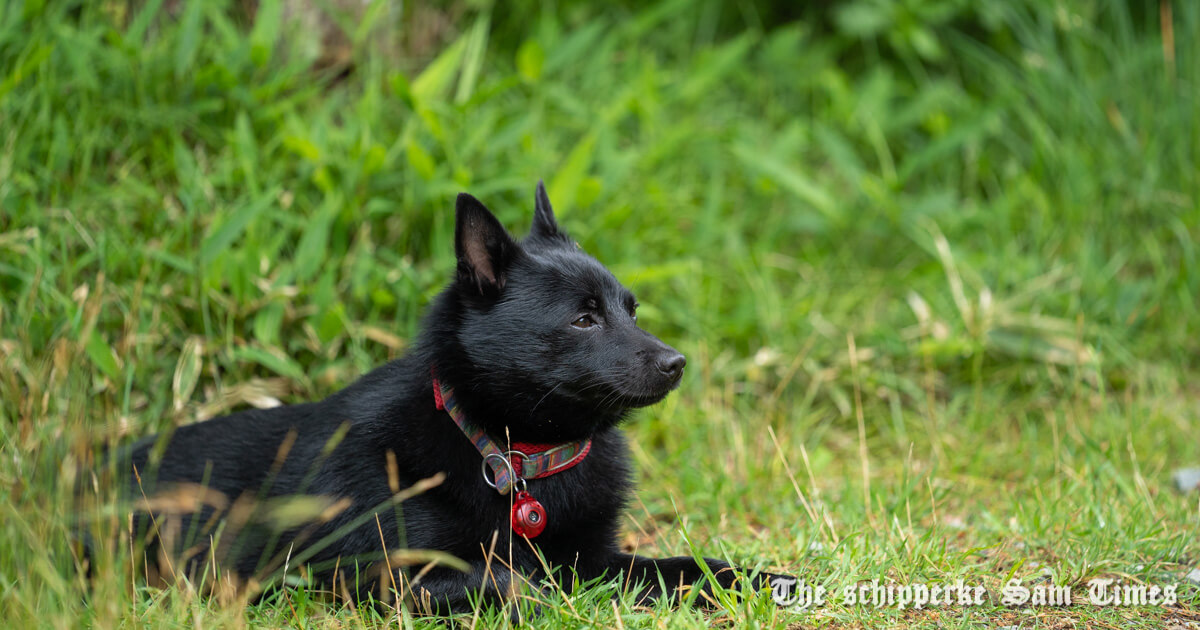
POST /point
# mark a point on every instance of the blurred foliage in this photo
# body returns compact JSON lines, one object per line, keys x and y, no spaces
{"x":276,"y":210}
{"x":954,"y":222}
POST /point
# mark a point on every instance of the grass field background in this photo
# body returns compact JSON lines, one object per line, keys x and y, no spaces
{"x":934,"y":265}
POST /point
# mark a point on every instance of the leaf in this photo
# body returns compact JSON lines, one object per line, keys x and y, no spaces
{"x":642,"y":275}
{"x":530,"y":59}
{"x":247,"y":149}
{"x":187,"y":372}
{"x":189,"y":36}
{"x":420,"y":160}
{"x":267,"y":20}
{"x":384,"y":337}
{"x":375,"y":13}
{"x":716,"y":66}
{"x":103,"y":356}
{"x":137,"y":28}
{"x":1032,"y":345}
{"x":473,"y":61}
{"x":177,"y":263}
{"x":273,"y":360}
{"x":941,"y":148}
{"x":564,"y":188}
{"x":287,"y":512}
{"x":789,"y":178}
{"x":224,"y":236}
{"x":375,"y":160}
{"x":435,"y":79}
{"x":864,"y":18}
{"x":840,"y":153}
{"x":408,"y":557}
{"x":331,"y":323}
{"x":314,"y":243}
{"x":267,"y":323}
{"x":303,"y":147}
{"x":402,"y":89}
{"x":926,"y":44}
{"x":24,"y":68}
{"x":577,"y":46}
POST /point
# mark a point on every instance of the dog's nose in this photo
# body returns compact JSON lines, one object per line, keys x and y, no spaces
{"x":671,"y":365}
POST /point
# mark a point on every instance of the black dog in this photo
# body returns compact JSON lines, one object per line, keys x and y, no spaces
{"x":529,"y":360}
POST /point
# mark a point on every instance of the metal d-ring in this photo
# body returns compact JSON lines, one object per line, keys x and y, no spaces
{"x":512,"y":472}
{"x":483,"y":468}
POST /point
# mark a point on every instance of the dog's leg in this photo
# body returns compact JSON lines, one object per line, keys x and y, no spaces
{"x":677,"y":574}
{"x":445,"y":591}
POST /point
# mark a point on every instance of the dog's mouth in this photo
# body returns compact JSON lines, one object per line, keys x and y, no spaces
{"x":621,"y":394}
{"x":621,"y":397}
{"x":615,"y":398}
{"x":635,"y":401}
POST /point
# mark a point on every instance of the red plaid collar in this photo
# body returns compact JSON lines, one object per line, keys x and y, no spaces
{"x":523,"y":461}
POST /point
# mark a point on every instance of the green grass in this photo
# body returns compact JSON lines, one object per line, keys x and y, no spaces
{"x":935,"y":271}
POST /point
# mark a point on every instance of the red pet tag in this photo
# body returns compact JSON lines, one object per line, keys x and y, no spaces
{"x":528,"y":515}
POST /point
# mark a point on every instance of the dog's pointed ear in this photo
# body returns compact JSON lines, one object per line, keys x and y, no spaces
{"x":483,"y":246}
{"x":544,"y":225}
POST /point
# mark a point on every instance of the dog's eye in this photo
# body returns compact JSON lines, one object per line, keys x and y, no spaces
{"x":633,"y":311}
{"x":585,"y":321}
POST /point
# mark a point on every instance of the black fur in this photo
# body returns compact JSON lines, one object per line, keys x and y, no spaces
{"x":541,"y":344}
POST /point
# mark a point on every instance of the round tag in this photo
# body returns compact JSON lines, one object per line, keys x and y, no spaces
{"x":528,"y":515}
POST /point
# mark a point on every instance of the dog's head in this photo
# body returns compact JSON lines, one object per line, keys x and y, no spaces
{"x":546,"y":331}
